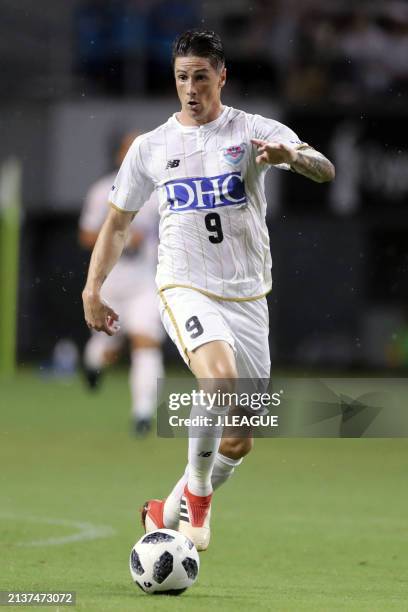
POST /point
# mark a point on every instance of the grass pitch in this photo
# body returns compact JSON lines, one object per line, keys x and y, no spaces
{"x":317,"y":525}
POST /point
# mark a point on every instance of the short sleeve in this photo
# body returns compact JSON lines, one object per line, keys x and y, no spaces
{"x":132,"y":186}
{"x":269,"y":129}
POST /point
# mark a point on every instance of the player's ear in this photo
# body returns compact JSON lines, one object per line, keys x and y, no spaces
{"x":223,"y":77}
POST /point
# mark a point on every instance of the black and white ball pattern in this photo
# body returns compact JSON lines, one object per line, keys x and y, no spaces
{"x":164,"y":562}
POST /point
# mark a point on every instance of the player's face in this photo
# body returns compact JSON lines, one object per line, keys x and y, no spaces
{"x":199,"y":87}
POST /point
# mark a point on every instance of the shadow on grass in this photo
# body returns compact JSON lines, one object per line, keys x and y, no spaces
{"x":193,"y":593}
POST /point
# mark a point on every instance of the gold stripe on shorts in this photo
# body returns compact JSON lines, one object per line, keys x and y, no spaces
{"x":174,"y":322}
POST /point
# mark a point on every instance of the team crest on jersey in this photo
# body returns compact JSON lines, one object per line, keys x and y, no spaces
{"x":201,"y":193}
{"x":234,"y":153}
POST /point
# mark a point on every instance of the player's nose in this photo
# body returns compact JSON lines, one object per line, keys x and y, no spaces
{"x":190,"y":89}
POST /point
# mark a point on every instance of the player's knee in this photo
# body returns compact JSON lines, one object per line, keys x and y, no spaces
{"x":214,"y":360}
{"x":138,"y":341}
{"x":221,"y":388}
{"x":221,"y":378}
{"x":220,"y":368}
{"x":110,"y":357}
{"x":236,"y":448}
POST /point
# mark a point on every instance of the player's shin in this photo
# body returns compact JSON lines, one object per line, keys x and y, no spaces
{"x":195,"y":504}
{"x":204,"y":441}
{"x":203,"y":456}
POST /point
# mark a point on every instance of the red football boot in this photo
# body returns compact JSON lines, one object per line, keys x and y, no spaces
{"x":195,"y":514}
{"x":152,"y":515}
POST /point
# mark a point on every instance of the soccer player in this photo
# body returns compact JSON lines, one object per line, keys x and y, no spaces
{"x":207,"y":164}
{"x":130,"y":289}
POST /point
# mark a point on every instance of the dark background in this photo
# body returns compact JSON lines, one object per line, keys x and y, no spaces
{"x":76,"y":73}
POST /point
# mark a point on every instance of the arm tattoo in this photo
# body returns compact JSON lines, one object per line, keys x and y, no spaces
{"x":314,"y":166}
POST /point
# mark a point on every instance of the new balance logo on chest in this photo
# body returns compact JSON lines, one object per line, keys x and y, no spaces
{"x":173,"y":163}
{"x":202,"y":193}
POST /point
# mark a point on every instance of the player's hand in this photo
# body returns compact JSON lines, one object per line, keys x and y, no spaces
{"x":274,"y":152}
{"x":98,"y":314}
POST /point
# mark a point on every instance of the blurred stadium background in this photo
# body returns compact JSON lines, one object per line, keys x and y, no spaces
{"x":75,"y":74}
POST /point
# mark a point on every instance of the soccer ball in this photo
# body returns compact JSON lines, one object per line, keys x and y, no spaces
{"x":164,"y":562}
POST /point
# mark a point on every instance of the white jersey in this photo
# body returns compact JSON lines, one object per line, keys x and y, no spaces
{"x":135,"y":269}
{"x":213,"y":234}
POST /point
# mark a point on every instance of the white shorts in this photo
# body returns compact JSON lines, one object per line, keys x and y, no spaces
{"x":192,"y":319}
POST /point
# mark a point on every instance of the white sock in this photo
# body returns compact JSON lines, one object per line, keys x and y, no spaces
{"x":223,"y":469}
{"x":146,"y":368}
{"x":203,"y":444}
{"x":94,"y":354}
{"x":171,"y":511}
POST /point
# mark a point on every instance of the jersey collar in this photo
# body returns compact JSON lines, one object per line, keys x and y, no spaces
{"x":205,"y":127}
